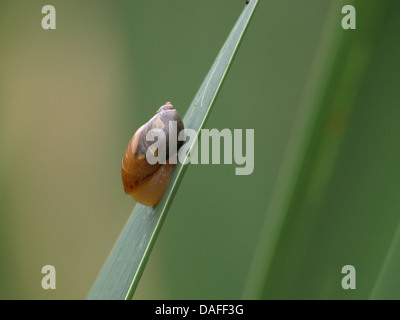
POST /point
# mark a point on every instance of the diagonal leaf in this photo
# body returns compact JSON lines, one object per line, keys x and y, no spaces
{"x":387,"y":284}
{"x":295,"y":153}
{"x":324,"y":212}
{"x":124,"y":267}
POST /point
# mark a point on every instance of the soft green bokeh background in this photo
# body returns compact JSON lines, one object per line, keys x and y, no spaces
{"x":71,"y":98}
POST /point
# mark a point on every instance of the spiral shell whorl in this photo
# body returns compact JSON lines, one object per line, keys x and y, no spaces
{"x":147,"y":182}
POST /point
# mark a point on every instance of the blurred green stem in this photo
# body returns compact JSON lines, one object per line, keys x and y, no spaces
{"x":295,"y":153}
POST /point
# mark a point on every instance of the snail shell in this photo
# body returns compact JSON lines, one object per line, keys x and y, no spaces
{"x":146,"y":182}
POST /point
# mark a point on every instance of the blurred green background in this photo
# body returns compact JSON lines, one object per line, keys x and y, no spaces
{"x":71,"y":98}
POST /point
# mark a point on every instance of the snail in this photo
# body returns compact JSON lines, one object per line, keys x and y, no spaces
{"x":147,"y":182}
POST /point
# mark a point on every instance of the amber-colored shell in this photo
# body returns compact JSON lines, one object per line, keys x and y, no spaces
{"x":146,"y":182}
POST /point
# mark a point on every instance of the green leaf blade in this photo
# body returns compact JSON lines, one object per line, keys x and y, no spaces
{"x":124,"y":267}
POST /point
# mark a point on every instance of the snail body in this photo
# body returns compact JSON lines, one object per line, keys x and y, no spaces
{"x":144,"y":181}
